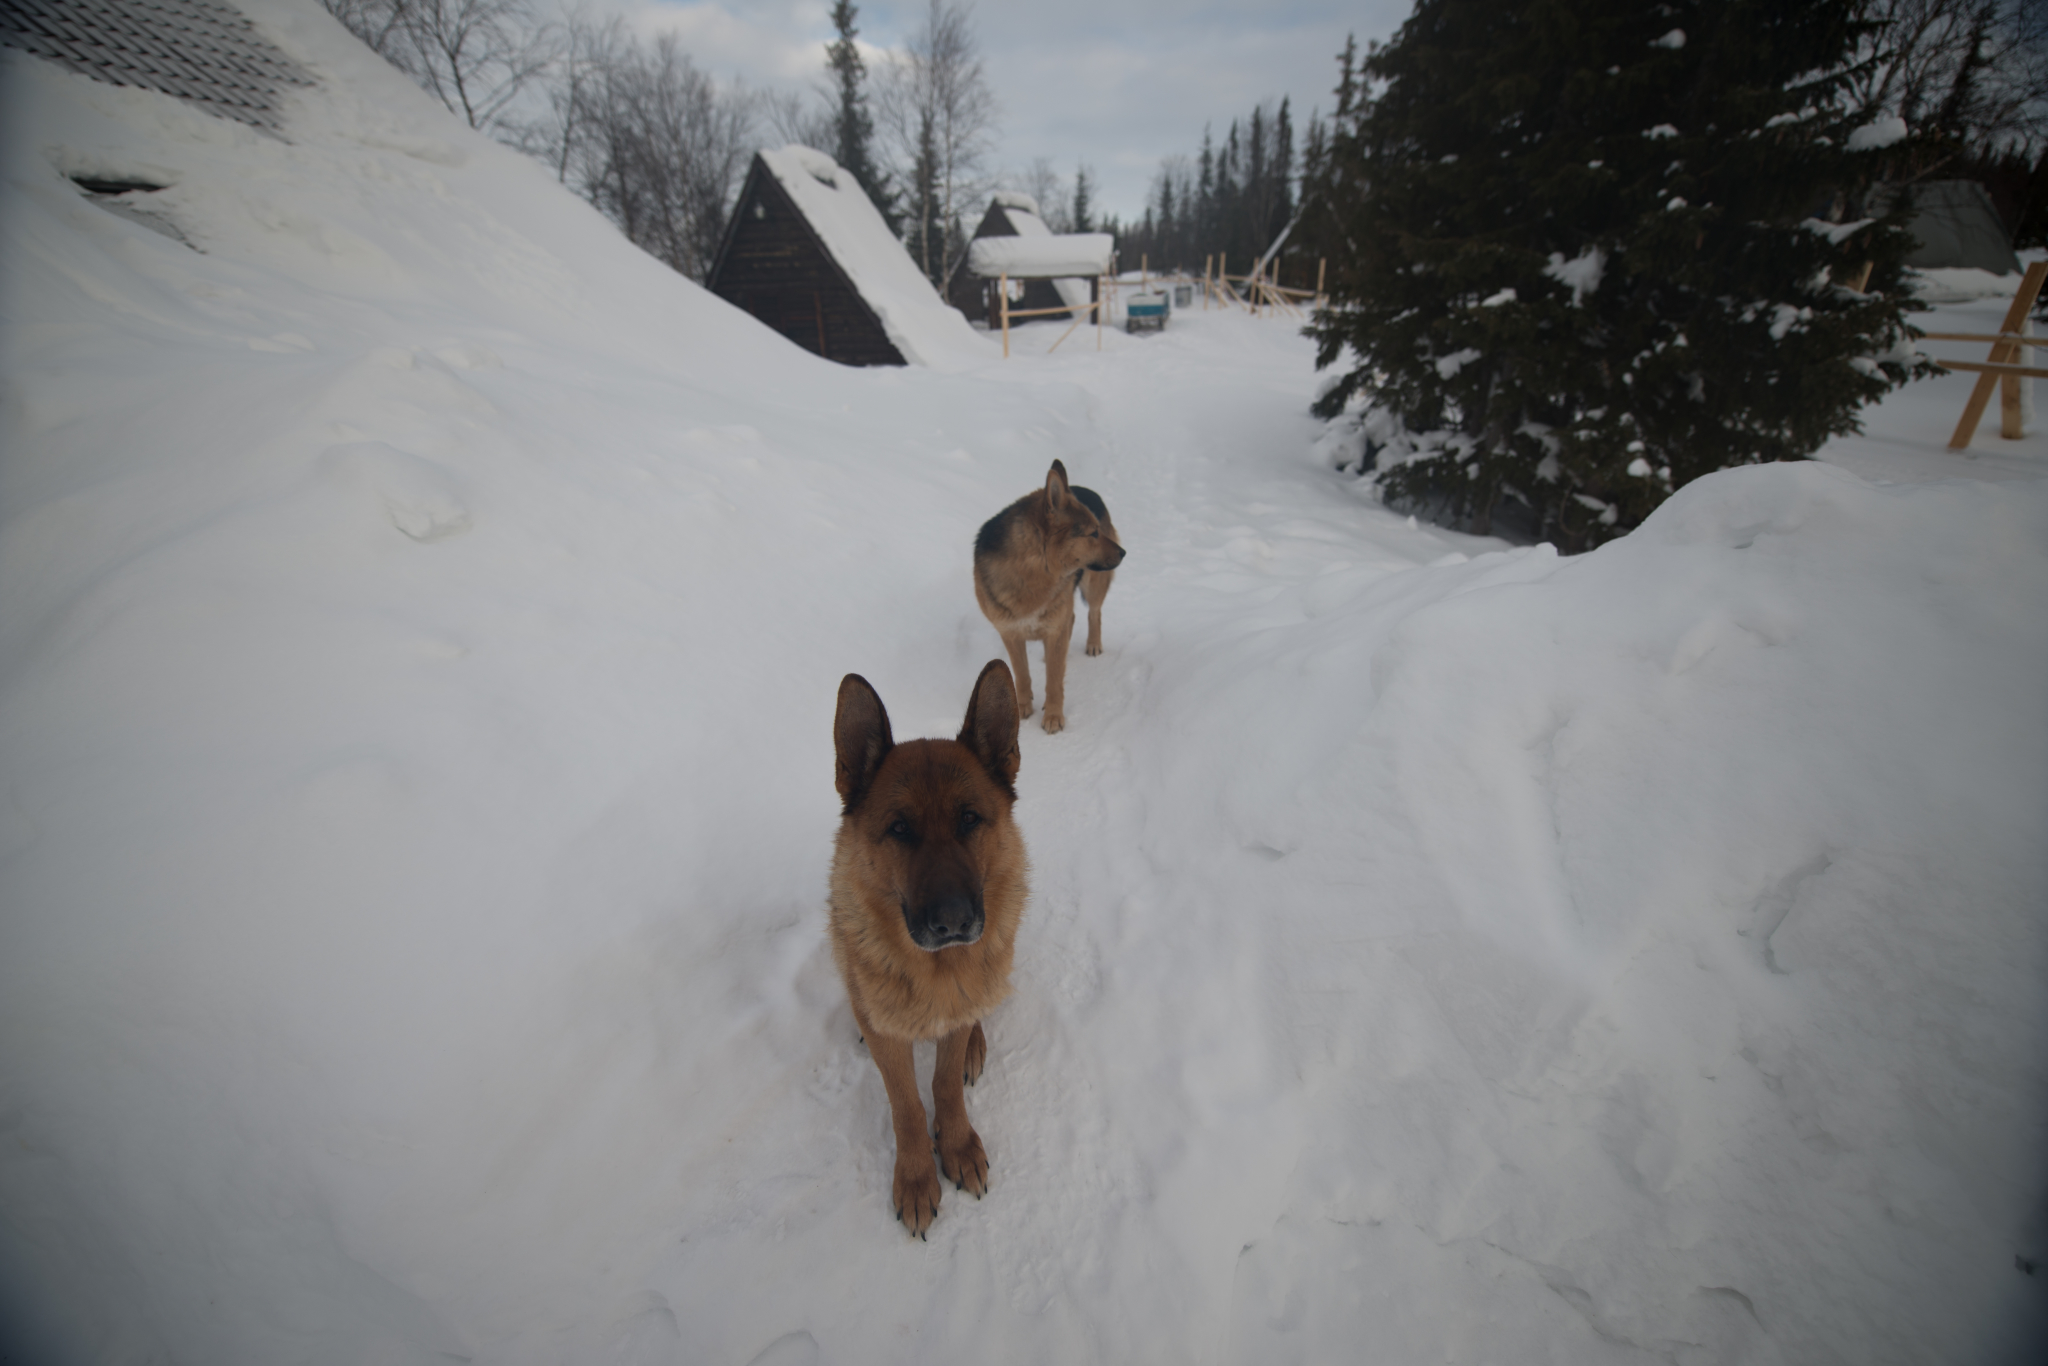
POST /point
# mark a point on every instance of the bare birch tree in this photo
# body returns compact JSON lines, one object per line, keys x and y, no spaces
{"x":803,"y":118}
{"x":939,"y":115}
{"x":591,"y":51}
{"x":476,"y":56}
{"x":1046,"y":185}
{"x":662,"y":151}
{"x":1969,"y":77}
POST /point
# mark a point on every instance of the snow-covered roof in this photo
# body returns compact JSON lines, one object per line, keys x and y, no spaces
{"x":1012,"y":199}
{"x":197,"y":50}
{"x":926,"y":329}
{"x":1041,"y":258}
{"x":1957,"y":225}
{"x":1021,"y":212}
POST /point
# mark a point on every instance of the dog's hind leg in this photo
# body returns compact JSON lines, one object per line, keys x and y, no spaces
{"x":961,"y":1156}
{"x":1095,"y":587}
{"x":1056,"y":643}
{"x":1020,"y":665}
{"x":977,"y":1054}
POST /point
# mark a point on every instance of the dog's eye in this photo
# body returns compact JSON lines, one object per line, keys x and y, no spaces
{"x":1094,"y":535}
{"x":968,"y":820}
{"x":899,"y":829}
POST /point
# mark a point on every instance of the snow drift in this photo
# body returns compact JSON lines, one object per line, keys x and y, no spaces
{"x":420,"y":616}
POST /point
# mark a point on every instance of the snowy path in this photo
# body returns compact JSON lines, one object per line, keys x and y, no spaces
{"x":1359,"y":1026}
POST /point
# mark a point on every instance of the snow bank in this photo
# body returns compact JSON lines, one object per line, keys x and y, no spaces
{"x":420,"y":615}
{"x":1956,"y":284}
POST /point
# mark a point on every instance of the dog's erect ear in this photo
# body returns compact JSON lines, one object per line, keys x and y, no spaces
{"x":860,"y":735}
{"x":990,"y":729}
{"x":1056,"y":485}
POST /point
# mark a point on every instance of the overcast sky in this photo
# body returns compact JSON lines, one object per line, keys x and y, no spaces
{"x":1115,"y":85}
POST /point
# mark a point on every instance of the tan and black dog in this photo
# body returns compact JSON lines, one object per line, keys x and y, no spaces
{"x":928,"y":885}
{"x":1028,"y":560}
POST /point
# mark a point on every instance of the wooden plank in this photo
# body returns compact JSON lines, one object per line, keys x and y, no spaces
{"x":1991,"y":368}
{"x":1097,"y":307}
{"x":1041,"y":312}
{"x":1984,"y":337}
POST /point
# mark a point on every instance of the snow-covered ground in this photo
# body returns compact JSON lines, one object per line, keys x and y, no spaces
{"x":420,"y":619}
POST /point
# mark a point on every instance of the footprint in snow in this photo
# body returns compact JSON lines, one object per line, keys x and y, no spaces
{"x":419,"y":496}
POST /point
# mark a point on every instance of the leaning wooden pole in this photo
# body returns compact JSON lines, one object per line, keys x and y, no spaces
{"x":1003,"y":293}
{"x":2006,"y":352}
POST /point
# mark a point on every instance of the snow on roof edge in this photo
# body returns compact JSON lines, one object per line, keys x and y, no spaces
{"x":927,"y":330}
{"x":1048,"y":257}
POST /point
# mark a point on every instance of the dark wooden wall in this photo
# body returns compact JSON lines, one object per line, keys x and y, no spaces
{"x":773,"y":266}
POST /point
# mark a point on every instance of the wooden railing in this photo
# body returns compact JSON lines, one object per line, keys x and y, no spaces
{"x":2002,"y":368}
{"x":1092,"y":306}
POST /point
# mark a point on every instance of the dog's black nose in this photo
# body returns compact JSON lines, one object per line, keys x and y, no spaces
{"x":954,"y":919}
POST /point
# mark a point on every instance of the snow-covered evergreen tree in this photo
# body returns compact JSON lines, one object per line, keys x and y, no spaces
{"x":852,"y":125}
{"x":1588,"y":254}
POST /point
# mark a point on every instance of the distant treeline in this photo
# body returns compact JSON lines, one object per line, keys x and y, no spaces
{"x":1232,"y":199}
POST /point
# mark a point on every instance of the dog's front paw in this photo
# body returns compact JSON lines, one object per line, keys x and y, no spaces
{"x":1094,"y":647}
{"x":962,"y":1159}
{"x":917,"y":1191}
{"x":1024,"y":706}
{"x":1055,"y":720}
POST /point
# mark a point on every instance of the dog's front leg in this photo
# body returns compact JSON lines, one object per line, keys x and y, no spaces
{"x":960,"y":1152}
{"x":916,"y":1189}
{"x":1020,"y":666}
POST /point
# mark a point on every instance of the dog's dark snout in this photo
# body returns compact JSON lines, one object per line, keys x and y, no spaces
{"x":953,"y":917}
{"x":948,"y":920}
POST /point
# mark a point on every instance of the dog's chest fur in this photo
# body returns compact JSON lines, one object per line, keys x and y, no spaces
{"x":909,"y":993}
{"x":1019,"y":587}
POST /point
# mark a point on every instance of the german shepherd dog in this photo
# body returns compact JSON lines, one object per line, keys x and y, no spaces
{"x":1028,"y":560}
{"x":928,"y":884}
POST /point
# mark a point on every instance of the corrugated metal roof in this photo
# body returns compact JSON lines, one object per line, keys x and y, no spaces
{"x":204,"y":51}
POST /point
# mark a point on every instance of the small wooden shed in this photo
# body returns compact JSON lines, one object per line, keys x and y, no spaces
{"x":809,"y":255}
{"x":1958,"y":226}
{"x":1011,"y":214}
